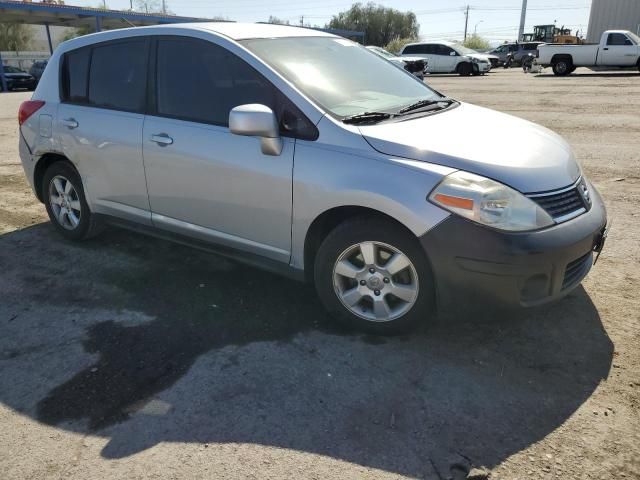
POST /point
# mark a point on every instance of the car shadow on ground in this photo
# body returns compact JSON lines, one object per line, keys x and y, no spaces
{"x":593,"y":74}
{"x":143,"y":341}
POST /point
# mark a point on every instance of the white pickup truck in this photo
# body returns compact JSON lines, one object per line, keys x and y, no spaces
{"x":617,"y":49}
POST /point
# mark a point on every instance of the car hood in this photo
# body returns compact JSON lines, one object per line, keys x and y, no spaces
{"x":412,"y":59}
{"x":529,"y":158}
{"x":17,"y":75}
{"x":479,"y":56}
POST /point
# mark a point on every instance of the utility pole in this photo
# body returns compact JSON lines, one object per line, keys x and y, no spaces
{"x":466,"y":22}
{"x":302,"y":20}
{"x":523,"y":17}
{"x":164,"y":7}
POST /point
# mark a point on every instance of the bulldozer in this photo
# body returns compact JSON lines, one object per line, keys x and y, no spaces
{"x":551,"y":34}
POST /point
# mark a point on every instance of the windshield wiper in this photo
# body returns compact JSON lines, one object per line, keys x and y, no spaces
{"x":367,"y":117}
{"x":425,"y":103}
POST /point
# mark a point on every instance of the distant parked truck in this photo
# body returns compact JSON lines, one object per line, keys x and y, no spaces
{"x":617,"y":49}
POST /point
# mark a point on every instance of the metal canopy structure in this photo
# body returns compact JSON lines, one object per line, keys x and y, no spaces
{"x":72,"y":16}
{"x":50,"y":14}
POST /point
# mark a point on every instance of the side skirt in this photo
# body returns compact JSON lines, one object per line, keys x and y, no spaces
{"x":245,"y":258}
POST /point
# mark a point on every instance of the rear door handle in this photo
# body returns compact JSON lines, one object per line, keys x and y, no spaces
{"x":162,"y":139}
{"x":70,"y":123}
{"x":605,"y":49}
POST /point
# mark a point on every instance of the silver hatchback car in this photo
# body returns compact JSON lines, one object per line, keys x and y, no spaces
{"x":309,"y":155}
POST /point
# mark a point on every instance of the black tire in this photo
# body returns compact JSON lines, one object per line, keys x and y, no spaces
{"x":89,"y":224}
{"x":465,"y":69}
{"x":562,"y":67}
{"x":374,"y":229}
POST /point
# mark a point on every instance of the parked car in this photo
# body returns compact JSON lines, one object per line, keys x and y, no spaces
{"x":415,"y":65}
{"x":37,"y":68}
{"x":617,"y":49}
{"x":301,"y":152}
{"x":17,"y":79}
{"x":448,"y":57}
{"x":518,"y":51}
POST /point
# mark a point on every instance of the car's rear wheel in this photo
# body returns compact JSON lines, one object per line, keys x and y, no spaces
{"x":374,"y":277}
{"x":562,"y":67}
{"x":66,"y":204}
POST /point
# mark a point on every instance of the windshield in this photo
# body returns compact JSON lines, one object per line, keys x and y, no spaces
{"x":8,"y":69}
{"x":341,"y":76}
{"x":634,"y":37}
{"x":462,"y":50}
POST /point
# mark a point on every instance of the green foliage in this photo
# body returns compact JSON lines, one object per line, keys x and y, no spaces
{"x":148,"y":6}
{"x":77,"y":32}
{"x":476,"y":42}
{"x":277,"y":21}
{"x":15,"y":36}
{"x":380,"y":24}
{"x":395,"y":45}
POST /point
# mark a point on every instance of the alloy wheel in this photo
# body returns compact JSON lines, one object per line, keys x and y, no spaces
{"x":375,"y":281}
{"x":65,"y":202}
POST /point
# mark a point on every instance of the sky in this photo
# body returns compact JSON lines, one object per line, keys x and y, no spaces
{"x":496,"y":20}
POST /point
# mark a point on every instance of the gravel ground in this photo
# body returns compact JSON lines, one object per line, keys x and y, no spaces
{"x":129,"y":357}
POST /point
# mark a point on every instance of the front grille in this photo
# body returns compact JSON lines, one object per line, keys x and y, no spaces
{"x":576,"y":271}
{"x":564,"y":204}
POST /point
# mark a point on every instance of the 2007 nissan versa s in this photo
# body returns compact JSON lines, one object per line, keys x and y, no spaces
{"x":305,"y":153}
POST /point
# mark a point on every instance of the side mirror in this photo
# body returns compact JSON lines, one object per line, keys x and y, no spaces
{"x":452,"y":54}
{"x":256,"y":120}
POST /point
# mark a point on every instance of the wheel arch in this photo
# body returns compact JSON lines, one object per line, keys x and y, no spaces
{"x":327,"y":221}
{"x":463,"y":63}
{"x":44,"y":162}
{"x":561,"y":56}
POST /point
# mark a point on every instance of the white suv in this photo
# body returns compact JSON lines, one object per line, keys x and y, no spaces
{"x":449,"y":57}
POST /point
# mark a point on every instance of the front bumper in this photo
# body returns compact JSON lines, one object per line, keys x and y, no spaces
{"x":471,"y":262}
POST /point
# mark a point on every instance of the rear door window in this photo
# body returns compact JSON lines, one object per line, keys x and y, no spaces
{"x":118,"y":76}
{"x":75,"y":75}
{"x":109,"y":75}
{"x":413,"y":49}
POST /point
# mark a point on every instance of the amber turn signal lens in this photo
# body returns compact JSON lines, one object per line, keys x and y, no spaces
{"x":457,"y":202}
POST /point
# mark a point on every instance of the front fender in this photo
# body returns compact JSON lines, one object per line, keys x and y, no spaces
{"x":325,"y":178}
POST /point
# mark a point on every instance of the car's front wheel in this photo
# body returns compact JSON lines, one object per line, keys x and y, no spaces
{"x":373,"y":276}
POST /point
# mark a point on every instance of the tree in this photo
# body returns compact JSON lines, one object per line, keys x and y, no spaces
{"x":277,"y":21}
{"x":380,"y":24}
{"x":149,"y":6}
{"x":476,"y":42}
{"x":77,"y":32}
{"x":15,"y":36}
{"x":395,"y":45}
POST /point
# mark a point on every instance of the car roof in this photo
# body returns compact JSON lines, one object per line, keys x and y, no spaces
{"x":437,"y":42}
{"x":242,"y":31}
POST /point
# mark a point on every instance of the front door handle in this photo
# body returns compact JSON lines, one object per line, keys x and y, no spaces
{"x":70,"y":123}
{"x":605,"y":48}
{"x":162,"y":139}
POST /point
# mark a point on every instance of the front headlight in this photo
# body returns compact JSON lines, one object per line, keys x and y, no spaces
{"x":489,"y":203}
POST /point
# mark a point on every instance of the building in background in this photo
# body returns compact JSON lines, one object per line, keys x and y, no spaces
{"x":612,"y":15}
